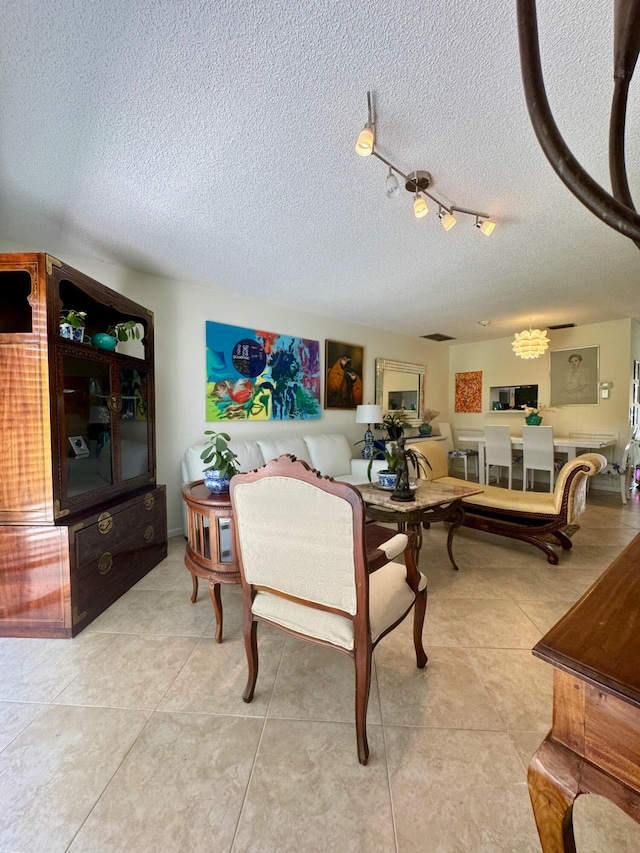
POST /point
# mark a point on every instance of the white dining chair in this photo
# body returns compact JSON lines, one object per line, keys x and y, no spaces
{"x":455,"y":452}
{"x":498,"y":451}
{"x":537,"y":454}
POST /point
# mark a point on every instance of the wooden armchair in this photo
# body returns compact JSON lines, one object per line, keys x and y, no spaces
{"x":305,"y":569}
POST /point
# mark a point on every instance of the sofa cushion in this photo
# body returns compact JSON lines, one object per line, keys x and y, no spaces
{"x":272,"y":448}
{"x":330,"y":454}
{"x":249,"y":455}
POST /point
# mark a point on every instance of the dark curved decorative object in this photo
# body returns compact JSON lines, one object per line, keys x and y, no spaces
{"x":617,"y":210}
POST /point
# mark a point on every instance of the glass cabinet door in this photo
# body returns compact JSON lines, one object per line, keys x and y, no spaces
{"x":134,"y":424}
{"x":87,"y":425}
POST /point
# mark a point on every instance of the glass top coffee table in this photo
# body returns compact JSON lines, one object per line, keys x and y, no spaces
{"x":433,"y":502}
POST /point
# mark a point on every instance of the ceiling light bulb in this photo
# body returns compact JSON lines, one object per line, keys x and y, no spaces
{"x":420,"y":206}
{"x":393,"y":188}
{"x":366,"y":138}
{"x":448,"y":220}
{"x":486,"y":226}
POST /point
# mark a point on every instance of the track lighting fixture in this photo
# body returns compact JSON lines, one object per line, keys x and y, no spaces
{"x":418,"y":183}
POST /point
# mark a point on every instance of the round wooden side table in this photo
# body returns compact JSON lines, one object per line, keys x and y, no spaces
{"x":210,"y":550}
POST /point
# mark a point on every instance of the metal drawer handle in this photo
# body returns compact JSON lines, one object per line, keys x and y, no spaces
{"x":105,"y":522}
{"x":149,"y":501}
{"x":105,"y":562}
{"x":148,"y":533}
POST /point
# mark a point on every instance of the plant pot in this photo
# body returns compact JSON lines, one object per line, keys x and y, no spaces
{"x":72,"y":333}
{"x":425,"y":429}
{"x":215,"y":483}
{"x":533,"y":420}
{"x":387,"y":480}
{"x":394,"y":433}
{"x":104,"y":341}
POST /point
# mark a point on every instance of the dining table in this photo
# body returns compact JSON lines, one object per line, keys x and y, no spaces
{"x":568,"y":445}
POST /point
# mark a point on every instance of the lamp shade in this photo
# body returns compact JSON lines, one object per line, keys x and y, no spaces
{"x":364,"y":144}
{"x":368,"y":414}
{"x":420,"y":207}
{"x":530,"y":343}
{"x":448,"y":221}
{"x":487,"y":227}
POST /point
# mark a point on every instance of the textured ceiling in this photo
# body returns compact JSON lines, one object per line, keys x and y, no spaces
{"x":213,"y":142}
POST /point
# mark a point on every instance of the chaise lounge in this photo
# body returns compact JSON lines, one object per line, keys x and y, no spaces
{"x":528,"y":516}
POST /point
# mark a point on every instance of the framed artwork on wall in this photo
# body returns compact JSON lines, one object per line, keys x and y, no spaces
{"x":468,"y":391}
{"x":255,"y":375}
{"x":574,"y":377}
{"x":343,"y":365}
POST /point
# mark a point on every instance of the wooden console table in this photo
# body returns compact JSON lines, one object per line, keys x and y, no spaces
{"x":210,"y":550}
{"x":594,"y":744}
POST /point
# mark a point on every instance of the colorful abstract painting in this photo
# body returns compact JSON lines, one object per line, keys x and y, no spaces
{"x":469,"y":391}
{"x":259,"y":376}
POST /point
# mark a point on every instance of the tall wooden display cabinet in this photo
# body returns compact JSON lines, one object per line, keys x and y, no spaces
{"x":81,"y":516}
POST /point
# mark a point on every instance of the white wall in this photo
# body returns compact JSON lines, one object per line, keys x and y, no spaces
{"x":180,"y":311}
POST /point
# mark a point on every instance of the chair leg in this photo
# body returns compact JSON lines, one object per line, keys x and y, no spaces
{"x":419,"y":610}
{"x":466,"y":472}
{"x":362,"y":661}
{"x":251,"y":648}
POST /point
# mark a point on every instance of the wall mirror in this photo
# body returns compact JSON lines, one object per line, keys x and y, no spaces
{"x":400,"y":389}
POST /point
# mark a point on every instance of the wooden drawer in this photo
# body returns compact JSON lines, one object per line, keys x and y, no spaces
{"x":108,"y":530}
{"x":116,"y":570}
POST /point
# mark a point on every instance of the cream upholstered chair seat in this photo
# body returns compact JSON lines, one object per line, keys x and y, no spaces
{"x":305,"y":569}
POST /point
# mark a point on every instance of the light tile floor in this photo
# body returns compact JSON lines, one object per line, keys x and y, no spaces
{"x":134,"y":736}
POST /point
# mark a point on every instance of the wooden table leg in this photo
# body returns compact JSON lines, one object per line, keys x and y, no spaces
{"x":553,"y":788}
{"x":216,"y":598}
{"x":457,"y":519}
{"x":194,"y":594}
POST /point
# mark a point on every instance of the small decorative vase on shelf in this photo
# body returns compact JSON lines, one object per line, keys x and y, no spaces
{"x":425,"y":429}
{"x":215,"y":483}
{"x":104,"y":341}
{"x":533,"y":419}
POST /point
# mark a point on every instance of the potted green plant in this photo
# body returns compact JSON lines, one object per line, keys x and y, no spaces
{"x":124,"y":331}
{"x":222,"y":461}
{"x":387,"y":476}
{"x":425,"y":427}
{"x":394,"y":423}
{"x":72,"y":324}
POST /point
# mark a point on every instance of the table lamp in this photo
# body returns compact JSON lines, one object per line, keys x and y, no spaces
{"x":368,"y":415}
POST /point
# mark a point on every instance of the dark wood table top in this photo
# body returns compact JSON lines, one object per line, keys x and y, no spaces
{"x":598,"y":639}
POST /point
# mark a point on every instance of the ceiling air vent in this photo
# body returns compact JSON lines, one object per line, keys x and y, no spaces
{"x":438,"y":337}
{"x":562,"y":326}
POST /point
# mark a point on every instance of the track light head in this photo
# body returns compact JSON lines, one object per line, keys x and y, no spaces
{"x":485,"y":226}
{"x":365,"y":141}
{"x":447,"y":219}
{"x":420,"y":206}
{"x":392,"y":186}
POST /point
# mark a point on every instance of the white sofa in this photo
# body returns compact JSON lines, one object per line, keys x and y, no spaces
{"x":328,"y":453}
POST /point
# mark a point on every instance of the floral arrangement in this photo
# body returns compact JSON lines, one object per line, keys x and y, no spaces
{"x":531,"y":410}
{"x":429,"y":415}
{"x":73,"y":318}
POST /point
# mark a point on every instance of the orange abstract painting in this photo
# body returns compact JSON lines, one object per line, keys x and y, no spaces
{"x":469,"y":391}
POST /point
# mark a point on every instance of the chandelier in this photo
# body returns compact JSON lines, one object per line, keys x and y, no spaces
{"x":418,"y":183}
{"x":530,"y":343}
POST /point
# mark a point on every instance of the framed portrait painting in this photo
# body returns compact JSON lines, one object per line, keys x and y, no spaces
{"x":343,"y":365}
{"x":574,"y":377}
